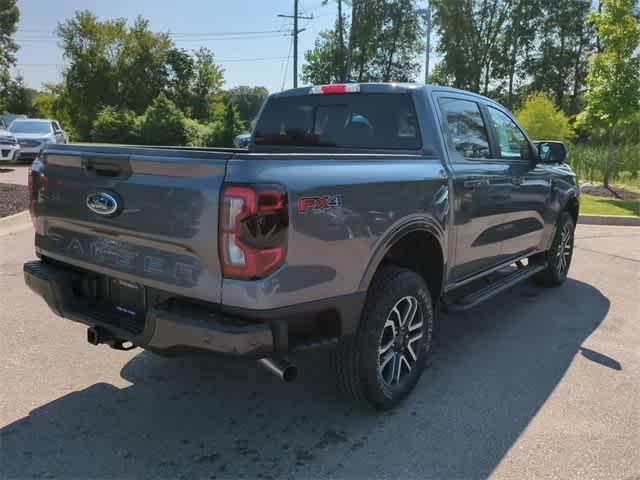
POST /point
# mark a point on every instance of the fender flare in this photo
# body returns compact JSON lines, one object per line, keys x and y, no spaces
{"x":397,"y":232}
{"x":570,"y":196}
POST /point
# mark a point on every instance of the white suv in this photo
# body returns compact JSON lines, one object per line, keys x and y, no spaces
{"x":9,"y":146}
{"x":34,"y":133}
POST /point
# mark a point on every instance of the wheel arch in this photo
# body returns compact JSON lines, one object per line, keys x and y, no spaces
{"x":572,"y":205}
{"x":417,"y":245}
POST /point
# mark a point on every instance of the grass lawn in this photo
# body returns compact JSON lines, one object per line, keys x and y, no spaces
{"x":590,"y":205}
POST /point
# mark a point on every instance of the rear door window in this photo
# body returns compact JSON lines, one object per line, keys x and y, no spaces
{"x":467,"y":131}
{"x":369,"y":121}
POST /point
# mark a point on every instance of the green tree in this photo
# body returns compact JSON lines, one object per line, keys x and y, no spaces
{"x":231,"y":125}
{"x":91,"y":81}
{"x":113,"y":65}
{"x":613,"y":83}
{"x":113,"y":125}
{"x":384,"y":45}
{"x":559,"y":64}
{"x":53,"y":102}
{"x":322,"y":63}
{"x":19,"y":97}
{"x":181,"y":72}
{"x":208,"y":81}
{"x":469,"y":33}
{"x":248,"y":100}
{"x":141,"y":65}
{"x":163,"y":123}
{"x":9,"y":16}
{"x":516,"y":40}
{"x":543,"y":120}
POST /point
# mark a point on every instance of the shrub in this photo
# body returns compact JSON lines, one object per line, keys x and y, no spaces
{"x":196,"y":133}
{"x":214,"y":136}
{"x":115,"y":126}
{"x":232,"y":125}
{"x":542,"y":120}
{"x":163,"y":123}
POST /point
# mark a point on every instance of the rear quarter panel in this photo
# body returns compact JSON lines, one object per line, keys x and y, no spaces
{"x":335,"y":251}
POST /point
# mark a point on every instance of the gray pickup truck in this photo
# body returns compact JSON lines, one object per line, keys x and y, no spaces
{"x":356,"y":214}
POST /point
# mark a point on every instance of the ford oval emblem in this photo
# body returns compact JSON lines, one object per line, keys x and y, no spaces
{"x":102,"y":203}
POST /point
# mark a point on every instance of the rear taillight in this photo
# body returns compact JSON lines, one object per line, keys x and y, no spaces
{"x":253,"y":230}
{"x":37,"y":182}
{"x":33,"y":196}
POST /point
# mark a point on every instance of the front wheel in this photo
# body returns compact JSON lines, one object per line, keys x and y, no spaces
{"x":559,"y":256}
{"x":383,"y":362}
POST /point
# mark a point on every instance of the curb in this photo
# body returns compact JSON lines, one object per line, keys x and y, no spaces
{"x":15,"y":223}
{"x":622,"y":221}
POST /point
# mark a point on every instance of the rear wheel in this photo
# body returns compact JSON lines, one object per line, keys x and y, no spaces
{"x":383,"y":362}
{"x":559,"y":256}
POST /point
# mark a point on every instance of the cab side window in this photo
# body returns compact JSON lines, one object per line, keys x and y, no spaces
{"x":512,"y":143}
{"x":466,"y":128}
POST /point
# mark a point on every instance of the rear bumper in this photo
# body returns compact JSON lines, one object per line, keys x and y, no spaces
{"x":166,"y":326}
{"x":174,"y":323}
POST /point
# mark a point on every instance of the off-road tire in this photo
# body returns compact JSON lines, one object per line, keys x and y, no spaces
{"x":357,"y":359}
{"x":556,"y":272}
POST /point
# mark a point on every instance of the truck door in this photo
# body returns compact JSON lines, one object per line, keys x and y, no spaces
{"x":481,"y":186}
{"x":531,"y":186}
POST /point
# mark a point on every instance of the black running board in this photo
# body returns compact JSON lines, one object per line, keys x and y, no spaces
{"x":461,"y":304}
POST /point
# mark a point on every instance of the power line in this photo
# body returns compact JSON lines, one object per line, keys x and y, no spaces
{"x":286,"y":66}
{"x":49,"y":34}
{"x":220,"y":60}
{"x":216,"y":39}
{"x":40,"y":41}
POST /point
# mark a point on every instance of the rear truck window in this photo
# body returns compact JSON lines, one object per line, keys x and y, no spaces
{"x":368,"y":121}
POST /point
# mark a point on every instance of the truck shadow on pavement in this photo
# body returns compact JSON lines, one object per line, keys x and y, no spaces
{"x":209,"y":417}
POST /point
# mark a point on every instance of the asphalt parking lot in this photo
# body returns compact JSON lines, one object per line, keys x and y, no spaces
{"x":14,"y":173}
{"x":535,"y":384}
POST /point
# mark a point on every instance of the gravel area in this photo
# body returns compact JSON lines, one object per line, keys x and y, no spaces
{"x":13,"y":199}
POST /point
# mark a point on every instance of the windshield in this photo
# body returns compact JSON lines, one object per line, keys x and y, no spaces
{"x":30,"y":127}
{"x":372,"y":121}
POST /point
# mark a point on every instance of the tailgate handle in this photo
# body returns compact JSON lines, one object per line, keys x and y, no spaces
{"x":107,"y":166}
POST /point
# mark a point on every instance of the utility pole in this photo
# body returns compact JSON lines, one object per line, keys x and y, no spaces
{"x":349,"y":59}
{"x":341,"y":42}
{"x":295,"y":33}
{"x":295,"y":43}
{"x":428,"y":53}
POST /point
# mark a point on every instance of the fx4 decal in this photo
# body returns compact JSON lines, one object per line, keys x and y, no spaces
{"x":319,"y":204}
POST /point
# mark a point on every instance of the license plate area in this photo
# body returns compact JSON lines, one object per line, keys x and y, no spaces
{"x":127,"y":298}
{"x":110,"y":301}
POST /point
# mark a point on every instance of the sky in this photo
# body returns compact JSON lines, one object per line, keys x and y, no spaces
{"x":263,"y":58}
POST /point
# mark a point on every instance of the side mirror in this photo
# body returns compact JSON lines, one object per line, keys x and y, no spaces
{"x":551,"y":152}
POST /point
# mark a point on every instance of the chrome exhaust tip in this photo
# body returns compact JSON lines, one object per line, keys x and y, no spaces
{"x":282,"y":369}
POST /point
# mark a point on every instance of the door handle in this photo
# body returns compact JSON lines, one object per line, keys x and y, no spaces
{"x":517,"y":181}
{"x":475,"y":183}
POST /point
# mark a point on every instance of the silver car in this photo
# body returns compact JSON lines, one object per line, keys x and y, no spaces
{"x":34,"y":133}
{"x":9,"y":146}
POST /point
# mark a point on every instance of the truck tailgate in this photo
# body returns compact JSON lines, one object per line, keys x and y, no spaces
{"x":164,"y":230}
